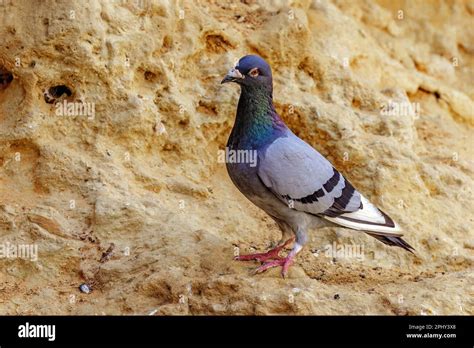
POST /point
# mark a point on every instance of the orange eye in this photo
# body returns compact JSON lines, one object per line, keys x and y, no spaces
{"x":254,"y":72}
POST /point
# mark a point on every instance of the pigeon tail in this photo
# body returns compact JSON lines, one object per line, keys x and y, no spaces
{"x":392,"y":240}
{"x":367,"y":218}
{"x":374,"y":222}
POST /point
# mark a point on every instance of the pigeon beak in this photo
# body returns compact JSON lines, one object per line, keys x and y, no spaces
{"x":233,"y":75}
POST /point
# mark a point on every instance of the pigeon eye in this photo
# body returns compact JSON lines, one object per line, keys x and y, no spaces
{"x":254,"y":72}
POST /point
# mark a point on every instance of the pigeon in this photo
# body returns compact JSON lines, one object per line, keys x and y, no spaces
{"x":291,"y":181}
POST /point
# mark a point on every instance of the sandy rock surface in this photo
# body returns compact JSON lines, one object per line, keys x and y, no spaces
{"x":127,"y":194}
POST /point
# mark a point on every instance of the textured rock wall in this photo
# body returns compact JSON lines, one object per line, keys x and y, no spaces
{"x":126,"y":192}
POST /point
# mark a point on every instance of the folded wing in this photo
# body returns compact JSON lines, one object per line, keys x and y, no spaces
{"x":301,"y":177}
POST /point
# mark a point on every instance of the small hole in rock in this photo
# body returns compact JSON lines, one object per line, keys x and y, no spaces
{"x":149,"y":75}
{"x":5,"y":78}
{"x":56,"y":92}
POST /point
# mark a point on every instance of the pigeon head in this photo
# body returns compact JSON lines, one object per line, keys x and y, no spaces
{"x":250,"y":72}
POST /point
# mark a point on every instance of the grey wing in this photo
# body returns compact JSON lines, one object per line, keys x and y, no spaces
{"x":299,"y":175}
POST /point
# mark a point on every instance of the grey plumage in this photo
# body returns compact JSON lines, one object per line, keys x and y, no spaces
{"x":284,"y":169}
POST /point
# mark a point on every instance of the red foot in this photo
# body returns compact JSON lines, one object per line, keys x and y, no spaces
{"x":262,"y":257}
{"x":284,"y":262}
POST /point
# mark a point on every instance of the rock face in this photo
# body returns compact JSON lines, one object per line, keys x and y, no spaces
{"x":112,"y":117}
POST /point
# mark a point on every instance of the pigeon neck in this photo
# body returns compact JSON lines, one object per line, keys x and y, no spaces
{"x":257,"y":102}
{"x":257,"y":121}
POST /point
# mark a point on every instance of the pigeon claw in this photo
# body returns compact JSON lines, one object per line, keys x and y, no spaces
{"x":284,"y":263}
{"x":262,"y":257}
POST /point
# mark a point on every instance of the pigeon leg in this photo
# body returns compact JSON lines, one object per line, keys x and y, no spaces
{"x":284,"y":262}
{"x":262,"y":257}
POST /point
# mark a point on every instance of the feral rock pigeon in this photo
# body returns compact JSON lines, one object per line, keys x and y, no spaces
{"x":291,"y":181}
